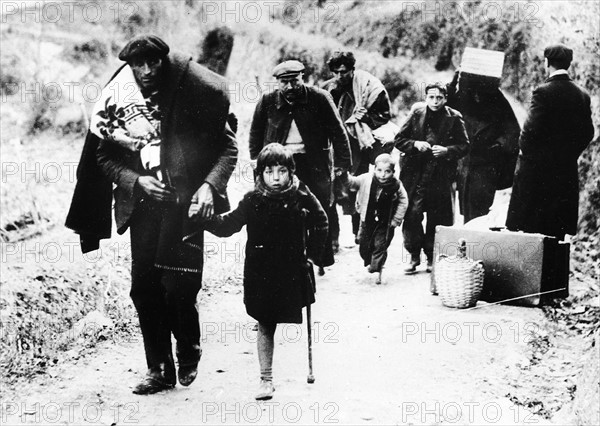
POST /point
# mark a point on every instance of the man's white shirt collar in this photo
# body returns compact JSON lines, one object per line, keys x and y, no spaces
{"x":558,"y":72}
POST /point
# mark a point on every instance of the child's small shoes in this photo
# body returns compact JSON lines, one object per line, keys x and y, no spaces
{"x":265,"y":390}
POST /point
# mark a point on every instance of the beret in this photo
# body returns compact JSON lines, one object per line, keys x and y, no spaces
{"x":559,"y":52}
{"x":288,"y":69}
{"x":144,"y":45}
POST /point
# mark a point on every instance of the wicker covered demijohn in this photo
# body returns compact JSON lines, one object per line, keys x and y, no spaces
{"x":458,"y":279}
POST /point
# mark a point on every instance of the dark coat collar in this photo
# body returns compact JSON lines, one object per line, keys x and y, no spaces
{"x":445,"y":112}
{"x":281,"y":101}
{"x":445,"y":124}
{"x":423,"y":108}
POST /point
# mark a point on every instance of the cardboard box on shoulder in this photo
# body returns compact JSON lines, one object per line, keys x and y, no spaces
{"x":481,"y":68}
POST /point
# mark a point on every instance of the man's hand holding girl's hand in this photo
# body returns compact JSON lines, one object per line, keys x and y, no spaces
{"x":439,"y":151}
{"x":202,"y":203}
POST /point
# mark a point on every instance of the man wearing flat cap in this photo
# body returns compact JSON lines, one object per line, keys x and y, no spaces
{"x":306,"y":121}
{"x":159,"y":133}
{"x":558,"y":128}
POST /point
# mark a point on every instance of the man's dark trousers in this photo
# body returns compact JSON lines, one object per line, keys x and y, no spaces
{"x":415,"y":238}
{"x":164,"y":299}
{"x":305,"y":174}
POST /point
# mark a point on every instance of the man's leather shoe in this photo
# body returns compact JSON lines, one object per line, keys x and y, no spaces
{"x":188,"y":357}
{"x":151,"y":385}
{"x":412,"y":269}
{"x":429,"y":266}
{"x":187,"y":374}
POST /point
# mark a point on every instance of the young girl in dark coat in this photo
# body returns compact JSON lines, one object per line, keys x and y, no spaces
{"x":277,"y":272}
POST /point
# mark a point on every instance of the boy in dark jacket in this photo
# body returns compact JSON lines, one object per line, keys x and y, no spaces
{"x":432,"y":138}
{"x":279,"y":213}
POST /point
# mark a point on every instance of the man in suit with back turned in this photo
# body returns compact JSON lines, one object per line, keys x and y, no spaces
{"x":558,"y":128}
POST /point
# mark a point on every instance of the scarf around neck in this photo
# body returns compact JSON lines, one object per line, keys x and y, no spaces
{"x":390,"y":186}
{"x":282,"y":194}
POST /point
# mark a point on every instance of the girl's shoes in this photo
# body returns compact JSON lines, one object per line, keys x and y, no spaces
{"x":265,"y":390}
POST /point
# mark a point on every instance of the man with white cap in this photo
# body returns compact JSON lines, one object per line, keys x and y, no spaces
{"x":558,"y":128}
{"x":307,"y":122}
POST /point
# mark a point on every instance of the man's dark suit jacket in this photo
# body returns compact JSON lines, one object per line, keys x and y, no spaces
{"x":559,"y":127}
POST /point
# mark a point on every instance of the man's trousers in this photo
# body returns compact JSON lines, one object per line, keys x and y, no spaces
{"x":417,"y":239}
{"x":164,"y":299}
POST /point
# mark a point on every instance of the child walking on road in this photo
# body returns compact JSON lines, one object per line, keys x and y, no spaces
{"x":278,"y":280}
{"x":381,"y":201}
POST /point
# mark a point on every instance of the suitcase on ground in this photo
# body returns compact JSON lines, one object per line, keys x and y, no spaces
{"x":520,"y":268}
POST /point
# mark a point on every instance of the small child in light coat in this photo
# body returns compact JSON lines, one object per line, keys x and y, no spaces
{"x":381,"y":201}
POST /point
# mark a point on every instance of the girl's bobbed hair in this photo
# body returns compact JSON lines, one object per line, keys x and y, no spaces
{"x":275,"y":154}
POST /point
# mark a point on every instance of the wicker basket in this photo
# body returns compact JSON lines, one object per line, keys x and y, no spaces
{"x":458,"y":279}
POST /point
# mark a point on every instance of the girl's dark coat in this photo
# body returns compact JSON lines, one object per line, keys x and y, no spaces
{"x":277,"y":277}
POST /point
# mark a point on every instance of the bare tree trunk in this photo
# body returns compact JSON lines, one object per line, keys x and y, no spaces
{"x":216,"y":50}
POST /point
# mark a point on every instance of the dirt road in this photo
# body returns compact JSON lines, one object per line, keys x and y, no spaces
{"x":388,"y":354}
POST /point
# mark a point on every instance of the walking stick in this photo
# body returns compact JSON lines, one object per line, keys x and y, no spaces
{"x":310,"y":378}
{"x":309,"y":288}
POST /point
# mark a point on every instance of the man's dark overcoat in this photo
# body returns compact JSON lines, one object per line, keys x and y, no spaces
{"x":558,"y":128}
{"x":319,"y":125}
{"x":493,"y":133}
{"x":197,"y":146}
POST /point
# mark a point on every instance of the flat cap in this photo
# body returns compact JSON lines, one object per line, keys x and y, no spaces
{"x":288,"y":69}
{"x":144,"y":45}
{"x":559,"y":52}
